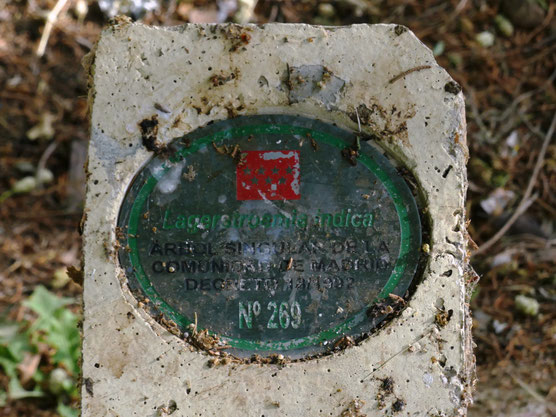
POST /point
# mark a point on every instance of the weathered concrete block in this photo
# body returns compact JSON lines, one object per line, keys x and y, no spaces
{"x":151,"y":88}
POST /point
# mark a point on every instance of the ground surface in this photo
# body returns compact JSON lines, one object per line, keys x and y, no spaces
{"x":506,"y":69}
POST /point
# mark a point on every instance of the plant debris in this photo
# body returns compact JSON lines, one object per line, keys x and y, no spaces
{"x":354,"y":409}
{"x":233,"y":151}
{"x":442,"y":317}
{"x":452,"y":87}
{"x":409,"y":71}
{"x":351,"y":153}
{"x":219,"y":79}
{"x":149,"y":133}
{"x":398,"y":405}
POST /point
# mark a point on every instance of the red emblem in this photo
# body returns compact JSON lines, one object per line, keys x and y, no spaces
{"x":268,"y":175}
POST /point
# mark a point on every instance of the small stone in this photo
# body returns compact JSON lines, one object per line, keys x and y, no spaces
{"x":60,"y":278}
{"x":326,"y":10}
{"x":527,"y":14}
{"x":485,"y":39}
{"x":527,"y":305}
{"x":498,"y":326}
{"x":81,"y":9}
{"x":44,"y":176}
{"x":44,"y":129}
{"x":25,"y":166}
{"x":467,"y":26}
{"x":59,"y":381}
{"x":504,"y":26}
{"x":496,"y":201}
{"x":136,"y":8}
{"x":24,"y":185}
{"x":439,"y":48}
{"x":245,"y":11}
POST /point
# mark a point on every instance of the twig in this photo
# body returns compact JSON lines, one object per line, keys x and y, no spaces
{"x":409,"y":71}
{"x":512,"y":109}
{"x":531,"y":391}
{"x":273,"y":13}
{"x":526,"y":200}
{"x":487,"y":135}
{"x":358,"y":120}
{"x":404,"y":349}
{"x":543,"y":25}
{"x":459,"y":8}
{"x":195,"y":328}
{"x":44,"y":157}
{"x":50,"y":20}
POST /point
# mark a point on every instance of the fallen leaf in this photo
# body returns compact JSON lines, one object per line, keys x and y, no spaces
{"x":28,"y":366}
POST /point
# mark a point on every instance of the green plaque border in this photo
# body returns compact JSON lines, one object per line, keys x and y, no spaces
{"x":404,"y":202}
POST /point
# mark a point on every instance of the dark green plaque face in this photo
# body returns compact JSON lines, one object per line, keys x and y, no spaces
{"x":267,"y":233}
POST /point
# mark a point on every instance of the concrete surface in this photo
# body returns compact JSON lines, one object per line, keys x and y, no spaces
{"x":418,"y":365}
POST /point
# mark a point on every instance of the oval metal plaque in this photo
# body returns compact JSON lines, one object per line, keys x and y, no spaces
{"x":271,"y":231}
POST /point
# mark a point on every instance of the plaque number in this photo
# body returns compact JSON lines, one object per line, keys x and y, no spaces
{"x":272,"y":321}
{"x":286,"y":315}
{"x":282,"y":315}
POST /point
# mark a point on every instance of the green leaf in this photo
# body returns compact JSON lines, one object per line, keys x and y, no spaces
{"x":9,"y":366}
{"x":543,"y":4}
{"x":17,"y":392}
{"x":13,"y":345}
{"x":39,"y":376}
{"x":64,"y":336}
{"x":55,"y":326}
{"x":44,"y":303}
{"x":475,"y":293}
{"x":67,"y":411}
{"x":8,"y":332}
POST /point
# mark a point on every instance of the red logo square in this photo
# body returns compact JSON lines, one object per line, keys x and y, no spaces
{"x":268,"y":175}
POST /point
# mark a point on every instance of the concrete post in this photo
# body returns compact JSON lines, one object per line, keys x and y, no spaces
{"x":274,"y":224}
